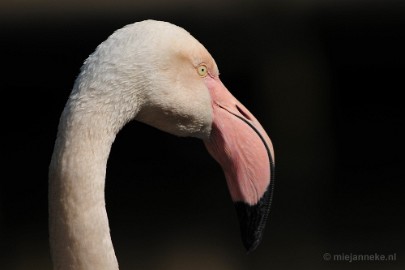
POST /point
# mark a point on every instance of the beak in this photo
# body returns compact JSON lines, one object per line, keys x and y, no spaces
{"x":241,"y":146}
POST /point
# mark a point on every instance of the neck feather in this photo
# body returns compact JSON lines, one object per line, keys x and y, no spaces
{"x":79,"y":230}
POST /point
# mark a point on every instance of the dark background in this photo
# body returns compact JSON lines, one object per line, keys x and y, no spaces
{"x":324,"y":78}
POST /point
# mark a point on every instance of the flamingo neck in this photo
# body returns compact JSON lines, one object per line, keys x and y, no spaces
{"x":79,"y":230}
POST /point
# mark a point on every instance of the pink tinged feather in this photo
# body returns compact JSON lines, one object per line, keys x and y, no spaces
{"x":242,"y":155}
{"x":237,"y":146}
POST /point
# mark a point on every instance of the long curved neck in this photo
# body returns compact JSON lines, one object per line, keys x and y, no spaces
{"x":79,"y":230}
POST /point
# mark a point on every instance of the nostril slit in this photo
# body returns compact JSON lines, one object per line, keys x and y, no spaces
{"x":242,"y":112}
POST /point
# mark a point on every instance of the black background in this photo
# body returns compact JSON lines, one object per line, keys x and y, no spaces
{"x":324,"y":79}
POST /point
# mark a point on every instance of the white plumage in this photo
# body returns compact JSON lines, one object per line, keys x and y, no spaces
{"x":144,"y":71}
{"x":156,"y":73}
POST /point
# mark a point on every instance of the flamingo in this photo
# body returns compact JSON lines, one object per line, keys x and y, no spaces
{"x":156,"y":73}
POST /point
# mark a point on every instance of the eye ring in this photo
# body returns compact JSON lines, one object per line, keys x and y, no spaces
{"x":202,"y":70}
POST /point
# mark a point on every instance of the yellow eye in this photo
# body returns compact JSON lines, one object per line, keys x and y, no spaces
{"x":202,"y":70}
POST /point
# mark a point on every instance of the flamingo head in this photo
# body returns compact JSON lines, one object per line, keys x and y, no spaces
{"x":167,"y":79}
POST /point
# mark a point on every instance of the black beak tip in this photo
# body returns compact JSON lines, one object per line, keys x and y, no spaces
{"x":251,"y":232}
{"x":251,"y":242}
{"x":252,"y":220}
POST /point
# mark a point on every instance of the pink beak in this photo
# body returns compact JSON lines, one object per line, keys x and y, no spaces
{"x":239,"y":143}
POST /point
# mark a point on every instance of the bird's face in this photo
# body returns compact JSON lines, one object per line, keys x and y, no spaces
{"x":179,"y":101}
